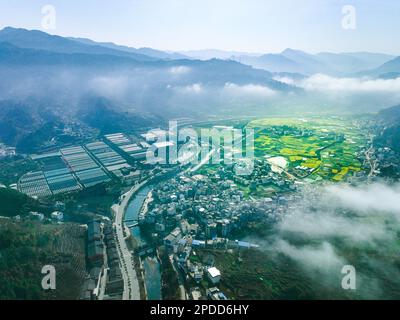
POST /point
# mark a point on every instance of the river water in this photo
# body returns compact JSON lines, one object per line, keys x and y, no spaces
{"x":150,"y":264}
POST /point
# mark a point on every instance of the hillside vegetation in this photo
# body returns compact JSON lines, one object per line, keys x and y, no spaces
{"x":26,"y":247}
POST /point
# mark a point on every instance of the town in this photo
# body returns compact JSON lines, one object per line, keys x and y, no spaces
{"x":167,"y":219}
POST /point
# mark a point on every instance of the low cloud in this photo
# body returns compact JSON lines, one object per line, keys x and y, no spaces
{"x":110,"y":86}
{"x":372,"y":198}
{"x":321,"y":257}
{"x":324,"y":83}
{"x":346,"y":212}
{"x":337,"y":225}
{"x":328,"y":223}
{"x":346,"y":94}
{"x":195,"y":88}
{"x":285,"y":80}
{"x":253,"y":90}
{"x":179,"y":70}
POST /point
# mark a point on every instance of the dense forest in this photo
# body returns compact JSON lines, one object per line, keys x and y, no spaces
{"x":14,"y":203}
{"x":26,"y":247}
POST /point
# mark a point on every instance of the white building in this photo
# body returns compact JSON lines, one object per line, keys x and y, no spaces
{"x":57,"y":215}
{"x":214,"y":275}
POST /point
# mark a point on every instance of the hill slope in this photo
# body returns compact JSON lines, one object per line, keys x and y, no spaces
{"x":390,"y":136}
{"x":157,"y":54}
{"x":390,"y":69}
{"x":34,"y":39}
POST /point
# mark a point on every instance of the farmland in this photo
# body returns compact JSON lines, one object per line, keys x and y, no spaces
{"x":328,"y":148}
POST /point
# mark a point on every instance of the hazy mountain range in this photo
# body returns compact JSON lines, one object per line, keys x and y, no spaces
{"x":337,"y":64}
{"x":288,"y":61}
{"x":296,"y":61}
{"x":56,"y":80}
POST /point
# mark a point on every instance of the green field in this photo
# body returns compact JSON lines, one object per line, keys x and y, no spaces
{"x":315,"y":148}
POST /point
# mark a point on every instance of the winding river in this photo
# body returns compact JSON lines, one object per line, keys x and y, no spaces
{"x":150,"y":264}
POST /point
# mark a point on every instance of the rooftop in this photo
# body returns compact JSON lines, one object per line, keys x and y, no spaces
{"x":163,"y":144}
{"x":214,"y":272}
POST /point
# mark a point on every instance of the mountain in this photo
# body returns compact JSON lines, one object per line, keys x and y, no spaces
{"x":15,"y":120}
{"x":49,"y":80}
{"x":390,"y":135}
{"x":157,"y":54}
{"x":211,"y":72}
{"x":101,"y":114}
{"x":372,"y":59}
{"x":289,"y":60}
{"x":38,"y":40}
{"x":390,"y":69}
{"x":308,"y":61}
{"x":13,"y":55}
{"x":347,"y":63}
{"x":14,"y":203}
{"x":29,"y":124}
{"x":22,"y":48}
{"x":390,"y":115}
{"x":272,"y":62}
{"x":208,"y":54}
{"x":335,"y":64}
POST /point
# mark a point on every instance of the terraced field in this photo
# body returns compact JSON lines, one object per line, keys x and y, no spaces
{"x":329,"y":148}
{"x":27,"y":246}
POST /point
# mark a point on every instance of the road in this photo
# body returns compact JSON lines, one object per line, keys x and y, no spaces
{"x":205,"y":160}
{"x":131,"y":283}
{"x":210,"y":154}
{"x":102,"y":283}
{"x":371,"y":162}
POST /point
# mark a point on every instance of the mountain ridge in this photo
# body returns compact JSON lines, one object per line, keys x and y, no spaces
{"x":150,"y":52}
{"x":35,"y":39}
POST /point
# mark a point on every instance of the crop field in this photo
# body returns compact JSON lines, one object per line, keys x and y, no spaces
{"x":329,"y":148}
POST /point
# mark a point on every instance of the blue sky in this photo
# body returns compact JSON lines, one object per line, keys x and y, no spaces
{"x":241,"y":25}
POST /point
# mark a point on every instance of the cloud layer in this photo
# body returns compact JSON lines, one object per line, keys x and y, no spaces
{"x":324,"y":83}
{"x":250,"y":90}
{"x":339,"y":225}
{"x":368,"y":199}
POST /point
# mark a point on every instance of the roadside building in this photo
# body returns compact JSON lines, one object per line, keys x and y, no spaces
{"x":215,"y":294}
{"x":94,"y":231}
{"x":214,"y":275}
{"x":96,"y":253}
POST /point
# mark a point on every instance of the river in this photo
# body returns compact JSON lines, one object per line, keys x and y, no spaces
{"x":150,"y":263}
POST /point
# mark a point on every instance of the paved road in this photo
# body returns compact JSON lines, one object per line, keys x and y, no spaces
{"x":131,"y":283}
{"x":371,"y":162}
{"x":210,"y":154}
{"x":204,"y":161}
{"x":102,"y":284}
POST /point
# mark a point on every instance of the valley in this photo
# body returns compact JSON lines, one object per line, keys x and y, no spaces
{"x":252,"y":170}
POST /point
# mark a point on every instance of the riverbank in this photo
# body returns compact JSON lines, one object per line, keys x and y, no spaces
{"x":133,"y":245}
{"x":137,"y":203}
{"x":148,"y":267}
{"x":145,"y":206}
{"x":129,"y":275}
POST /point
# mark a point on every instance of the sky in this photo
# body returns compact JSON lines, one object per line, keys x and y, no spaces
{"x":257,"y":26}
